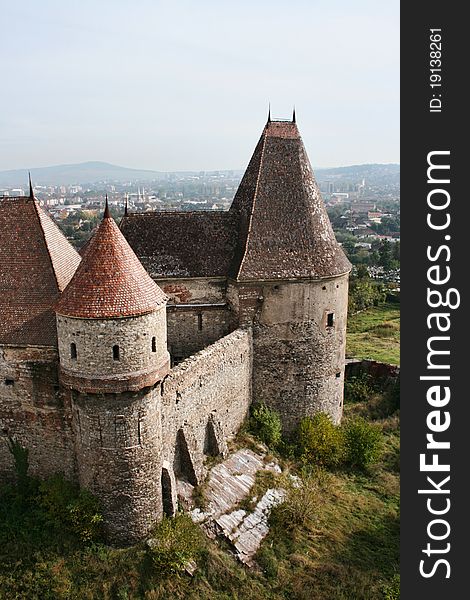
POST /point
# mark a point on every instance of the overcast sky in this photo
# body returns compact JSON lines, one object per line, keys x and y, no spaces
{"x":182,"y":85}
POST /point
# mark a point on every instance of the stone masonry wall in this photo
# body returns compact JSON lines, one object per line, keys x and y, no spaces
{"x":191,"y":329}
{"x":95,"y":338}
{"x":118,"y":444}
{"x":298,"y":356}
{"x":35,"y":412}
{"x":204,"y":401}
{"x":193,"y":290}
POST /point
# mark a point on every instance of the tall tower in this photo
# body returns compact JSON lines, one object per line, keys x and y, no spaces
{"x":111,"y":326}
{"x":289,"y":280}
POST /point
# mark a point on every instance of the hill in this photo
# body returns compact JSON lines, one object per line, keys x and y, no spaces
{"x":95,"y":172}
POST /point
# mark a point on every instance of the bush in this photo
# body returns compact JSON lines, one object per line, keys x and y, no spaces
{"x":320,"y":441}
{"x":392,"y":591}
{"x":300,"y":506}
{"x":363,"y":443}
{"x":20,"y":459}
{"x":68,"y":506}
{"x":176,"y":542}
{"x":358,"y":388}
{"x":266,"y":425}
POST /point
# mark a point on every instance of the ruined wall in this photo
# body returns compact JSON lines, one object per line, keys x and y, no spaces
{"x":205,"y":400}
{"x":193,"y":290}
{"x":298,"y":354}
{"x":34,"y":412}
{"x":118,"y":444}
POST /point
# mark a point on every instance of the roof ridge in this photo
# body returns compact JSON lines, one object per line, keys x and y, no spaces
{"x":253,"y":203}
{"x":43,"y":233}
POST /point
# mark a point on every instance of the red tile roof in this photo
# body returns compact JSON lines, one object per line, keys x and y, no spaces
{"x":36,"y":264}
{"x":110,"y":281}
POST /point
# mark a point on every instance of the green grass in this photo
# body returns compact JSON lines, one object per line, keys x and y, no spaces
{"x":349,"y":550}
{"x":375,"y":334}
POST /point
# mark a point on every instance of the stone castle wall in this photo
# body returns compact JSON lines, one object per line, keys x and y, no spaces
{"x":299,"y":337}
{"x":94,"y":340}
{"x":35,"y":412}
{"x":205,"y":400}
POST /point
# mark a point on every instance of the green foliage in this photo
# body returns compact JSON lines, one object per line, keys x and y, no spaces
{"x":20,"y":458}
{"x":363,"y":443}
{"x":68,"y":506}
{"x":320,"y":441}
{"x":265,"y":423}
{"x":364,"y":292}
{"x":368,"y":337}
{"x":301,"y":505}
{"x":176,"y":542}
{"x":391,"y":591}
{"x":358,"y":388}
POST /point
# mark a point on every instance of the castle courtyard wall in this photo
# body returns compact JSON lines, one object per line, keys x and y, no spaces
{"x":205,"y":399}
{"x":35,"y":412}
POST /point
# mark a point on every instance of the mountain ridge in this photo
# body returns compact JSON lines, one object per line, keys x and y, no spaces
{"x":101,"y":171}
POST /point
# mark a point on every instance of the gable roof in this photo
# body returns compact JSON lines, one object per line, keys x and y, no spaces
{"x":183,"y":244}
{"x":36,"y":264}
{"x":110,"y":281}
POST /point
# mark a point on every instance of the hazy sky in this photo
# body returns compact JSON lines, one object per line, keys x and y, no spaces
{"x":185,"y":84}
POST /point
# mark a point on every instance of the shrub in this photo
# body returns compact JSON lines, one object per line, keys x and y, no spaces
{"x":358,"y":388}
{"x":320,"y":441}
{"x":20,"y":459}
{"x":266,"y":425}
{"x":392,"y":591}
{"x":363,"y":443}
{"x":68,"y":506}
{"x":300,"y":506}
{"x":176,"y":542}
{"x":84,"y":517}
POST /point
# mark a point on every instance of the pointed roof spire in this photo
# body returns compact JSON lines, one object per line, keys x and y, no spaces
{"x":269,"y":113}
{"x":110,"y":282}
{"x":293,"y":115}
{"x":106,"y":214}
{"x":31,"y":192}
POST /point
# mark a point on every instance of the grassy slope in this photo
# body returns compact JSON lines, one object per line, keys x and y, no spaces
{"x":348,"y":552}
{"x":375,"y":334}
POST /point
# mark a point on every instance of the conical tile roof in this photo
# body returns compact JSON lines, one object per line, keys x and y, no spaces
{"x":36,"y":264}
{"x":110,"y":281}
{"x":284,"y":229}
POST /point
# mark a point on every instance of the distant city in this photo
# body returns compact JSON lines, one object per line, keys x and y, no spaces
{"x":363,"y":201}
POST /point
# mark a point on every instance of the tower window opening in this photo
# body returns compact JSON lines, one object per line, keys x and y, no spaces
{"x":73,"y":351}
{"x":199,"y":321}
{"x":9,"y":381}
{"x":154,"y":344}
{"x":338,"y":375}
{"x":330,"y":319}
{"x":116,"y":352}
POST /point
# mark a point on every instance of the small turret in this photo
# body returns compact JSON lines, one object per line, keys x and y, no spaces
{"x":111,"y":319}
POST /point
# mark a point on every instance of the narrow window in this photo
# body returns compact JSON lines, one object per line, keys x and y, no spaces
{"x":154,"y":344}
{"x":9,"y":381}
{"x":116,"y":352}
{"x":338,"y":375}
{"x":73,"y":351}
{"x":199,"y":321}
{"x":330,"y":319}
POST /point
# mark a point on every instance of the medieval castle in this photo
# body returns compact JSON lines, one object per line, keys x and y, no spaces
{"x":123,"y":368}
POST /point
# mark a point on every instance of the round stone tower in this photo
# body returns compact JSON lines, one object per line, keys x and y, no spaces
{"x":289,"y":281}
{"x":111,"y":326}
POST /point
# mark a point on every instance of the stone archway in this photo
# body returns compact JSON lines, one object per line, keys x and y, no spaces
{"x":169,"y":497}
{"x":183,"y":464}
